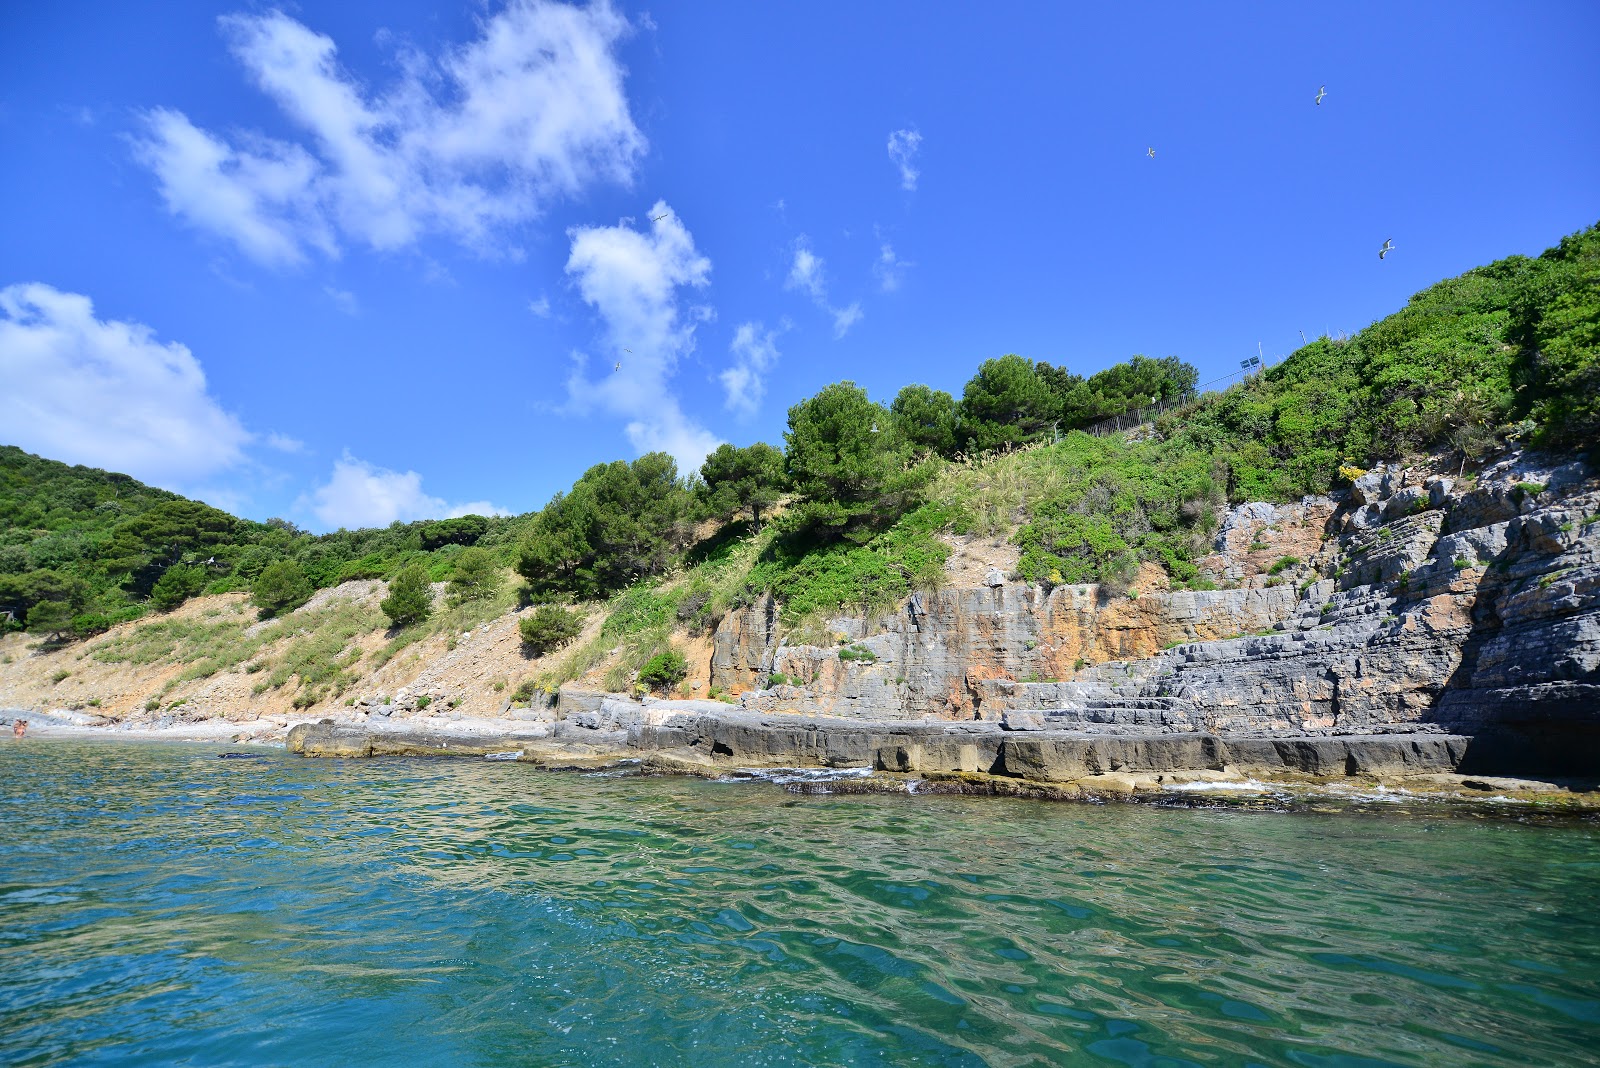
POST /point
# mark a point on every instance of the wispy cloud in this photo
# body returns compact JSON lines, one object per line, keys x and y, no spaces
{"x":808,"y":275}
{"x":889,"y":267}
{"x":467,"y":144}
{"x":343,"y":299}
{"x":540,"y":307}
{"x":755,"y":352}
{"x":633,"y":279}
{"x":903,"y":148}
{"x":284,"y":443}
{"x":359,"y":494}
{"x":107,"y":393}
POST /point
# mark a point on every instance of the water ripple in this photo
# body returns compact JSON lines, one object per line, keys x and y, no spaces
{"x":158,"y":905}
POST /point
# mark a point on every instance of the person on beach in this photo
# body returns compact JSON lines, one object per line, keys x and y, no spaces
{"x":19,"y":727}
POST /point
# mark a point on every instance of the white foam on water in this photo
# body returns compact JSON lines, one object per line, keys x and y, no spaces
{"x":785,"y":776}
{"x":1249,"y":785}
{"x":515,"y":755}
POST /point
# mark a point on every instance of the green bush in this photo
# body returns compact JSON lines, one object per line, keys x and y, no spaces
{"x":549,"y":628}
{"x":1283,"y":563}
{"x":474,"y":577}
{"x":50,"y":617}
{"x":281,"y":587}
{"x":858,"y":653}
{"x":410,"y":598}
{"x":664,"y":670}
{"x":177,"y":584}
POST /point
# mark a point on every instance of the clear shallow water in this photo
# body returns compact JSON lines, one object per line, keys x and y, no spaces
{"x":159,"y":905}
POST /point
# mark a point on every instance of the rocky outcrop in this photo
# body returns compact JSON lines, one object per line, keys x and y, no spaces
{"x":1408,"y":600}
{"x":1412,"y":625}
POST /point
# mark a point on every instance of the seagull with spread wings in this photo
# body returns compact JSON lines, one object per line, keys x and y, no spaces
{"x":1322,"y":91}
{"x":1150,"y":152}
{"x":1388,"y":246}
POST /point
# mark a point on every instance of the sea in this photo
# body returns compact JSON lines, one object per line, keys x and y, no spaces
{"x":161,"y":905}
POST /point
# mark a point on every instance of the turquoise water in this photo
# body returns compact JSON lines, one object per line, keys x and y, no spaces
{"x":161,"y":906}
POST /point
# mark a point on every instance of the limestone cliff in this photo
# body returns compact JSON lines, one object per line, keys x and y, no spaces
{"x":1407,"y":602}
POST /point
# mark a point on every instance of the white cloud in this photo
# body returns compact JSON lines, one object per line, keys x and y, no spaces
{"x":540,"y":307}
{"x":106,"y":393}
{"x":808,"y":274}
{"x":845,"y":318}
{"x":755,"y":352}
{"x":464,"y":145}
{"x":889,"y":267}
{"x":344,"y":300}
{"x":359,"y":494}
{"x":284,"y":443}
{"x":903,"y":148}
{"x":632,"y":279}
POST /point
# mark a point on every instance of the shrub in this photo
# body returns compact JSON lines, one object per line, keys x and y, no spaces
{"x":58,"y":676}
{"x":475,"y":577}
{"x":1283,"y":563}
{"x":1460,"y":564}
{"x":778,"y":678}
{"x":549,"y":628}
{"x":281,"y":587}
{"x":423,"y":702}
{"x":664,"y":670}
{"x":410,"y":599}
{"x":50,"y":617}
{"x":523,"y":694}
{"x":858,"y":652}
{"x":152,"y":704}
{"x":177,"y":584}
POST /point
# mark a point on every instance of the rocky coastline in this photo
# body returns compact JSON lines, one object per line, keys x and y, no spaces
{"x":1415,"y":631}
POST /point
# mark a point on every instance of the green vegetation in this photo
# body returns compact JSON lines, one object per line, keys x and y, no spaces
{"x":664,"y":670}
{"x":281,"y":587}
{"x":733,"y":479}
{"x":620,"y":523}
{"x":1283,"y":563}
{"x":857,"y":509}
{"x":549,"y":628}
{"x":410,"y":598}
{"x":858,"y":653}
{"x":474,"y":576}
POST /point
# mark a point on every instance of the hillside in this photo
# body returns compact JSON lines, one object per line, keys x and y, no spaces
{"x":140,"y":600}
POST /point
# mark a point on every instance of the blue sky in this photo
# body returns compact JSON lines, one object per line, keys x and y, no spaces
{"x":357,"y":262}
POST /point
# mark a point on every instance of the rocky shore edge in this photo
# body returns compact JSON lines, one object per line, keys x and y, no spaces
{"x":819,"y":754}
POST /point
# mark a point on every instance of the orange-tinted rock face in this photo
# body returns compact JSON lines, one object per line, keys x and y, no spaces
{"x":1390,"y":609}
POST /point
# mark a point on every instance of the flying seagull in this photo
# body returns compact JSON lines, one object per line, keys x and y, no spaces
{"x":1150,"y":152}
{"x":618,"y":366}
{"x":1387,"y":246}
{"x":1322,"y":91}
{"x":658,"y":218}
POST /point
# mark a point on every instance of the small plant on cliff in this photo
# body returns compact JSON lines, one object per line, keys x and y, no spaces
{"x":549,"y":628}
{"x":410,"y":600}
{"x":664,"y":670}
{"x":281,"y":587}
{"x":1526,"y":489}
{"x":1283,"y":563}
{"x":1461,"y":564}
{"x":152,"y":704}
{"x":858,"y":652}
{"x":778,"y":678}
{"x":475,"y":577}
